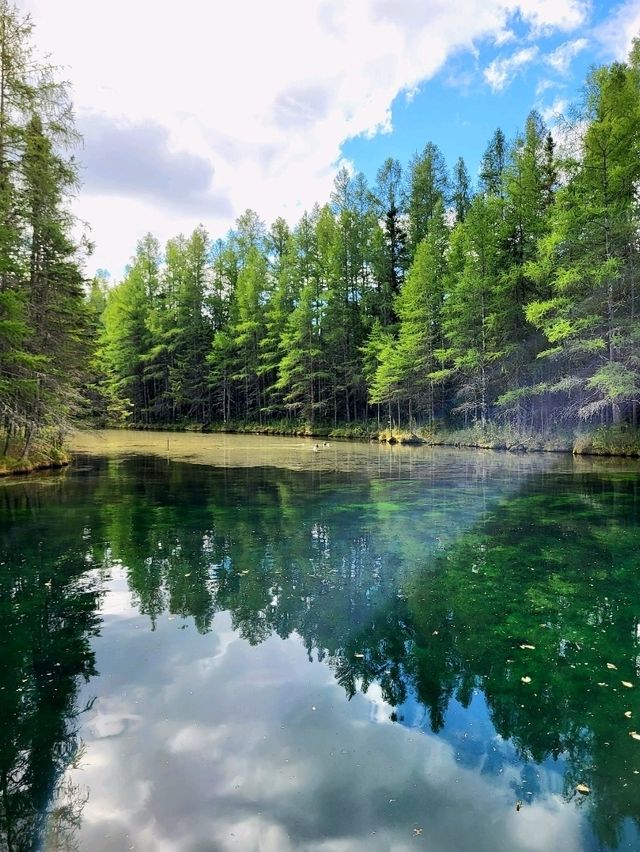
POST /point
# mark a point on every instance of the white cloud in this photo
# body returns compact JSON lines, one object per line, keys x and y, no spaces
{"x":552,"y":115}
{"x":620,"y":29}
{"x":561,"y":58}
{"x":543,"y":85}
{"x":256,"y":97}
{"x":504,"y":37}
{"x":502,"y":71}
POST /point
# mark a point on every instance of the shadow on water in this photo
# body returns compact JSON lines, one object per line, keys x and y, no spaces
{"x":518,"y":587}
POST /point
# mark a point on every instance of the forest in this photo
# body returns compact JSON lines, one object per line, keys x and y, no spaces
{"x":45,"y":339}
{"x":425,"y":300}
{"x":422,"y":300}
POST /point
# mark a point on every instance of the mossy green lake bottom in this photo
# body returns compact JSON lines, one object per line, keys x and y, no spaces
{"x":242,"y":643}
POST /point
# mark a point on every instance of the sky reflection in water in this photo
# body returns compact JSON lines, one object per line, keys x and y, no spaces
{"x":204,"y":706}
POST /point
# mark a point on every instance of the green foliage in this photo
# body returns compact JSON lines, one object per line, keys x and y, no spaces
{"x":518,"y":304}
{"x":45,"y":323}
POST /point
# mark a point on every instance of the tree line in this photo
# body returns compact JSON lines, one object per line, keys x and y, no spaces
{"x":418,"y":299}
{"x":44,"y":317}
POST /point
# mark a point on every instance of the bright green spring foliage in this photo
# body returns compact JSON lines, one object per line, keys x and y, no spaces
{"x":416,"y":300}
{"x":44,"y":319}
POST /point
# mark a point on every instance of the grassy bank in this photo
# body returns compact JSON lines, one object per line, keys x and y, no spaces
{"x":44,"y":459}
{"x":602,"y":441}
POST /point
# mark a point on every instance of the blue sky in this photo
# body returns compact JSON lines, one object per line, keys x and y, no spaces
{"x":198,"y":112}
{"x":459,"y":110}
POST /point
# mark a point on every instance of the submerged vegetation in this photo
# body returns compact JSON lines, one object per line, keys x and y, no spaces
{"x":511,"y":580}
{"x":415,"y":304}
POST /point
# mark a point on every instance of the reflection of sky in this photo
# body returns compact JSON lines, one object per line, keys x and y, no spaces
{"x":478,"y":747}
{"x":202,"y":742}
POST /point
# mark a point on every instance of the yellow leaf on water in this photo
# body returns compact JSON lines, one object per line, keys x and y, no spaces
{"x":526,"y":679}
{"x":582,"y":788}
{"x":627,"y":684}
{"x":611,"y":666}
{"x":602,"y":684}
{"x":359,"y":656}
{"x":628,"y":714}
{"x":529,"y":647}
{"x":635,"y":735}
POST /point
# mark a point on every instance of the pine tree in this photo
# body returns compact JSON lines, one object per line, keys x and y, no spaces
{"x":302,"y":372}
{"x":461,"y":192}
{"x":134,"y":362}
{"x":248,"y":330}
{"x":43,"y":314}
{"x":472,"y":316}
{"x":493,"y":164}
{"x":590,"y":260}
{"x":528,"y":178}
{"x":282,"y":297}
{"x":392,"y":260}
{"x":428,"y":187}
{"x":192,"y":333}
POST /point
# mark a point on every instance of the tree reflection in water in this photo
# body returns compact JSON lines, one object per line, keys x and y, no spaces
{"x":435,"y":590}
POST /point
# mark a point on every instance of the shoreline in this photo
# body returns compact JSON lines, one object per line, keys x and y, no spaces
{"x":601,"y":442}
{"x":22,"y":467}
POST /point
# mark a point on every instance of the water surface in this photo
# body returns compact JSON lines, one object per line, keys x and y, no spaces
{"x":243,"y":644}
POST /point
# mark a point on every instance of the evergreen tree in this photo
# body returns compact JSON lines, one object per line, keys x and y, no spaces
{"x":473,"y":320}
{"x":589,"y":260}
{"x":518,"y":303}
{"x":302,"y":373}
{"x":248,"y":329}
{"x":461,"y":190}
{"x":192,"y":332}
{"x":392,"y":258}
{"x":43,"y":318}
{"x":282,"y":297}
{"x":428,"y":187}
{"x":493,"y":163}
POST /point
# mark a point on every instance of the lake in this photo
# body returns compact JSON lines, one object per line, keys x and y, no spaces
{"x":232,"y":642}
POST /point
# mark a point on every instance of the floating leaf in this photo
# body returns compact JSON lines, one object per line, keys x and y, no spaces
{"x":611,"y":666}
{"x":602,"y":684}
{"x":528,"y":647}
{"x":359,"y":656}
{"x":628,"y":714}
{"x":526,"y":679}
{"x":635,"y":735}
{"x":627,"y":684}
{"x":582,"y":788}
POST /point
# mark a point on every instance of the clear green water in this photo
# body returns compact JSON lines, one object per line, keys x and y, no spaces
{"x":269,"y":658}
